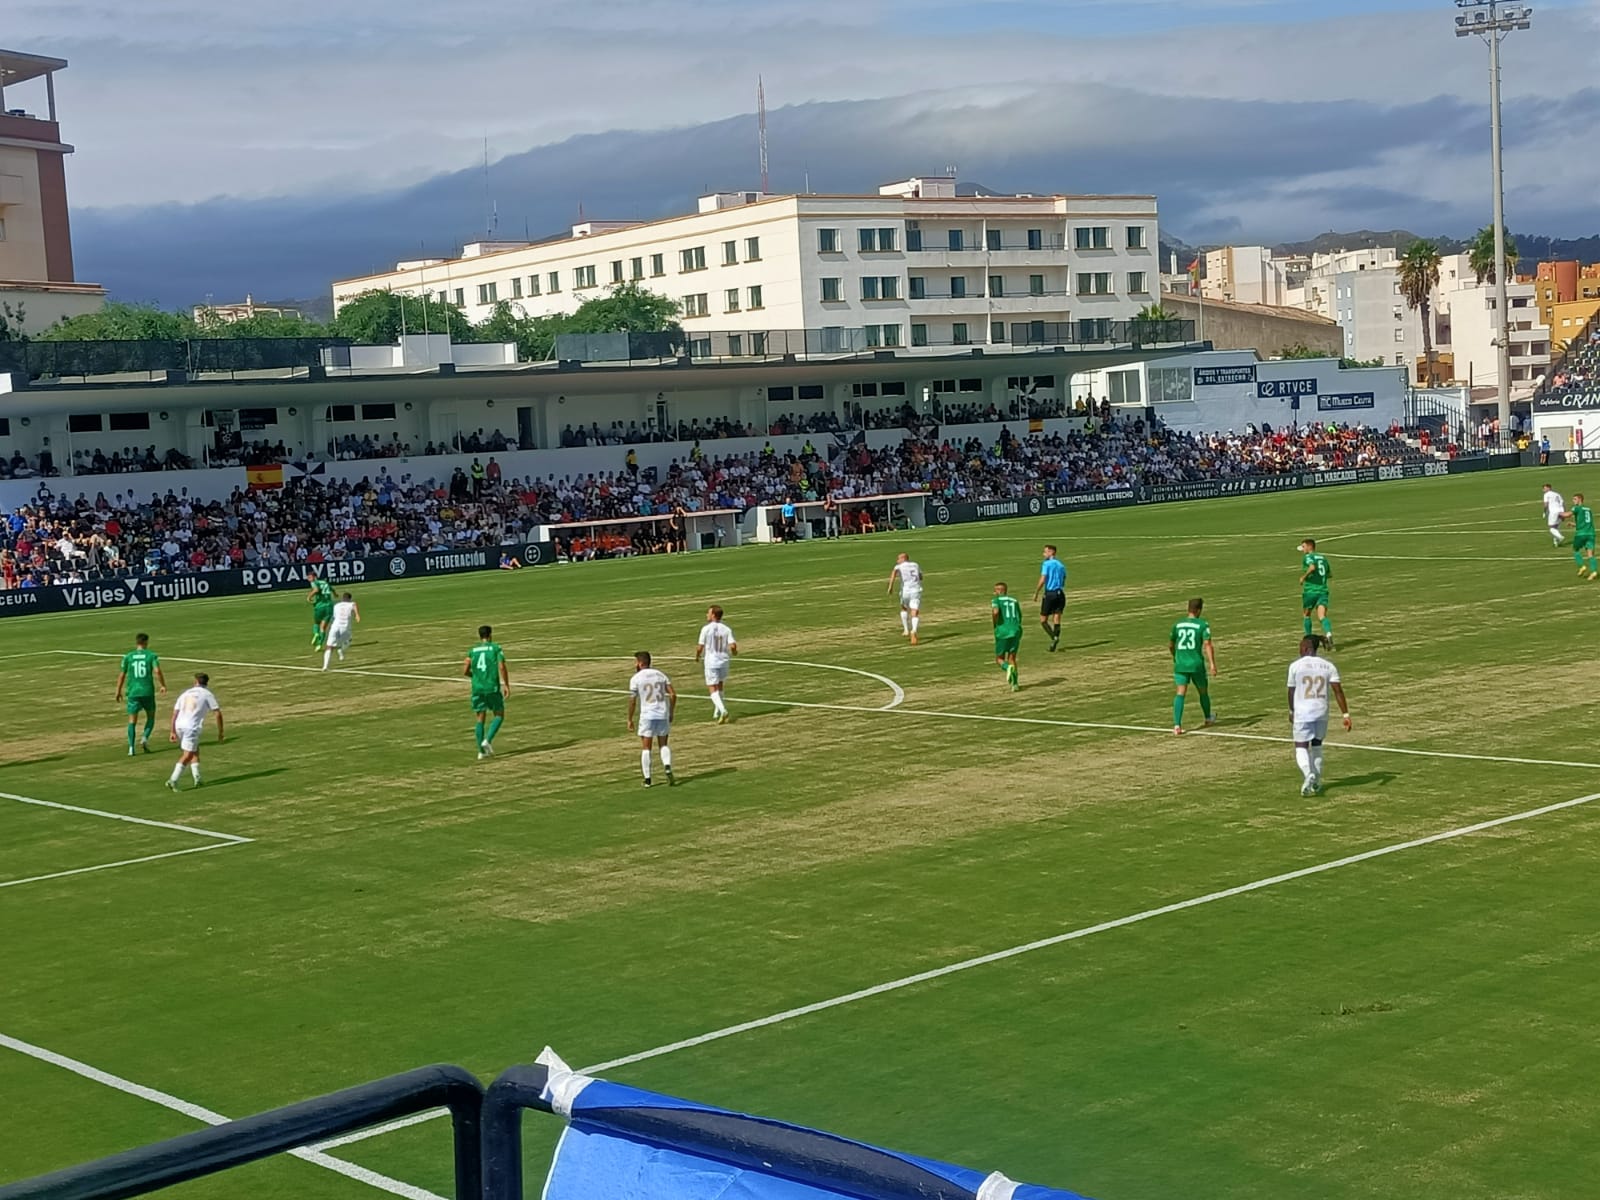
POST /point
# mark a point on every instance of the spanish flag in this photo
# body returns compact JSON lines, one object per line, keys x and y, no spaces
{"x":270,"y":476}
{"x":1194,"y":275}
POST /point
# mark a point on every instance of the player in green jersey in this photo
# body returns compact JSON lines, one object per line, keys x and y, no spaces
{"x":1314,"y":575}
{"x":1192,"y":653}
{"x":486,"y":667}
{"x":1582,"y":536}
{"x":141,"y":672}
{"x":321,"y":599}
{"x":1007,"y":615}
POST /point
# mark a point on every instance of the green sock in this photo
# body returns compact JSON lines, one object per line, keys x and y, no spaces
{"x":149,"y":724}
{"x":477,"y":735}
{"x":1327,"y":627}
{"x":1307,"y":626}
{"x":494,"y":727}
{"x":1205,"y":704}
{"x":1177,"y":710}
{"x":1011,"y":672}
{"x":130,"y":735}
{"x":1577,"y":557}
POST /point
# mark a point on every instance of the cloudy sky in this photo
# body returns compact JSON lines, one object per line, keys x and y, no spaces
{"x":226,"y":147}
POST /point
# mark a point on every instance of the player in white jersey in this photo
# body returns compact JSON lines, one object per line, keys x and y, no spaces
{"x":652,"y":700}
{"x":188,"y":721}
{"x":1554,"y":506}
{"x":715,"y":648}
{"x":1312,"y":679}
{"x":340,"y":629}
{"x":909,"y":576}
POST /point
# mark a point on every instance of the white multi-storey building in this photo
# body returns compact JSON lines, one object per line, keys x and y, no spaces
{"x":1468,"y":329}
{"x":1245,"y":275}
{"x":914,"y":266}
{"x":1360,"y":289}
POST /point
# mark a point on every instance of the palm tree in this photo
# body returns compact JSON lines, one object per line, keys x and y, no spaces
{"x":1481,"y":255}
{"x":1419,"y":275}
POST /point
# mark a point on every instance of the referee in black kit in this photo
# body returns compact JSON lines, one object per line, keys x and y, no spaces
{"x":1053,"y":583}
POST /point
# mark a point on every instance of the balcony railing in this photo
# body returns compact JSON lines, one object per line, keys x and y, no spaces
{"x":69,"y":360}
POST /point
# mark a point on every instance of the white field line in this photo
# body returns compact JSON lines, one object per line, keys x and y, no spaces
{"x":1165,"y":731}
{"x":206,"y":1116}
{"x":218,"y":841}
{"x":1450,"y":557}
{"x":983,"y":960}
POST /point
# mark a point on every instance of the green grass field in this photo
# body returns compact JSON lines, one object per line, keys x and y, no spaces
{"x":1415,"y":1024}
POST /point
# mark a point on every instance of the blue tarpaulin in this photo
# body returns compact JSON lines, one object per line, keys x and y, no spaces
{"x":622,"y":1142}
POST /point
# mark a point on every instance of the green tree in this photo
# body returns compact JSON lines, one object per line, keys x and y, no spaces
{"x":262,"y":325}
{"x":625,"y":308}
{"x":1301,"y":350}
{"x":378,"y":318}
{"x":11,"y":320}
{"x":1480,"y":255}
{"x":1419,"y":275}
{"x":1154,"y":312}
{"x":123,"y":322}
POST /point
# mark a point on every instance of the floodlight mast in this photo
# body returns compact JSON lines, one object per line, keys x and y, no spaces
{"x":1492,"y":21}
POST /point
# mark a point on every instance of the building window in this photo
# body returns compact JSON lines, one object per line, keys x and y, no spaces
{"x":636,"y":268}
{"x":616,"y":270}
{"x":869,"y":287}
{"x":1136,"y":237}
{"x":827,"y":241}
{"x":997,"y":285}
{"x":1035,"y":285}
{"x":583,"y":277}
{"x":461,"y":297}
{"x":958,"y":287}
{"x":919,"y":335}
{"x":700,"y":347}
{"x":1035,"y":239}
{"x":1094,"y":284}
{"x":888,"y":287}
{"x":516,"y":287}
{"x":730,"y":254}
{"x":868,"y":242}
{"x":997,"y":331}
{"x":992,"y":239}
{"x":758,"y":343}
{"x":735,"y":345}
{"x":533,"y":285}
{"x":755,"y":297}
{"x":443,"y":297}
{"x":958,"y":239}
{"x":969,"y":385}
{"x":958,"y":333}
{"x":1399,"y":360}
{"x":1091,"y":237}
{"x":891,"y":335}
{"x":916,"y":287}
{"x":1094,"y":329}
{"x":863,"y":391}
{"x":692,"y":259}
{"x":696,"y":305}
{"x":913,"y":236}
{"x":752,"y":249}
{"x":553,"y":281}
{"x":893,"y":387}
{"x":869,"y":335}
{"x":730,"y":300}
{"x":1136,"y":283}
{"x":811,"y":391}
{"x":84,"y":423}
{"x":658,"y":265}
{"x":1399,"y":335}
{"x":830,"y":290}
{"x":123,"y":422}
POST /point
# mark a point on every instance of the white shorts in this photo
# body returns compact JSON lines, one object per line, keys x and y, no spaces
{"x":653,"y":727}
{"x":339,"y":638}
{"x":911,"y":599}
{"x":189,"y":740}
{"x":1311,"y":731}
{"x":716,"y":675}
{"x":1554,"y":521}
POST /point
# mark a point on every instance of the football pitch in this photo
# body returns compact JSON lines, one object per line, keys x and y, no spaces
{"x":1032,"y":932}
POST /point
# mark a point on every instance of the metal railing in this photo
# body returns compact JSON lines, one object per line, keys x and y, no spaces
{"x":68,"y":360}
{"x":280,"y":1130}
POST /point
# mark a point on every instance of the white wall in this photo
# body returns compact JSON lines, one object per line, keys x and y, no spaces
{"x":139,"y":487}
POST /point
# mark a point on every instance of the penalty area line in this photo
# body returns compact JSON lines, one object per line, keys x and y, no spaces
{"x":206,"y":1116}
{"x":983,"y":960}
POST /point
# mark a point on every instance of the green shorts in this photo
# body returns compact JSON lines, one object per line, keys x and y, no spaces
{"x":1311,"y":600}
{"x":141,"y":704}
{"x":494,"y":702}
{"x":1583,"y":541}
{"x":1007,"y":643}
{"x":1198,"y":678}
{"x":322,"y":613}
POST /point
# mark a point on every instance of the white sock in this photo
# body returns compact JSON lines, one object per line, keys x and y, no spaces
{"x":1316,"y":761}
{"x":194,"y":769}
{"x":177,"y":773}
{"x":644,"y":762}
{"x":915,"y":621}
{"x":666,"y":757}
{"x":716,"y":703}
{"x":326,"y":655}
{"x":1302,"y":758}
{"x":905,"y":621}
{"x":341,"y":656}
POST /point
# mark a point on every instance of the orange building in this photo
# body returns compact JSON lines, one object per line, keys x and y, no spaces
{"x":1565,"y":283}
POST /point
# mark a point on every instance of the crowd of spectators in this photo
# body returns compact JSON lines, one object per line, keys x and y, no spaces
{"x":58,"y":539}
{"x":1578,"y":376}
